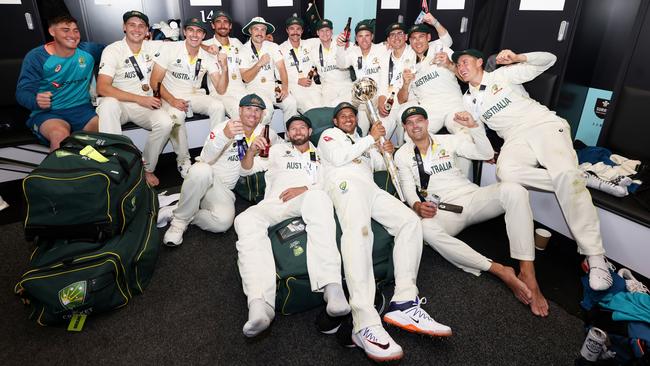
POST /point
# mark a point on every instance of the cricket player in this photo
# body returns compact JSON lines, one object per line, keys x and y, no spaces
{"x":53,"y":84}
{"x":262,"y":66}
{"x":349,"y":161}
{"x":293,"y":188}
{"x":207,"y":200}
{"x":427,"y":167}
{"x":538,"y":151}
{"x":233,"y":48}
{"x":181,"y":67}
{"x":299,"y":58}
{"x":126,"y":93}
{"x":336,"y":84}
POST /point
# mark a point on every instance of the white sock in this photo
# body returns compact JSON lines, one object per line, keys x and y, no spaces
{"x":337,"y":304}
{"x":260,"y":315}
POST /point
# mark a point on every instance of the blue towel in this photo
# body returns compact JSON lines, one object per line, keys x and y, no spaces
{"x":595,"y":154}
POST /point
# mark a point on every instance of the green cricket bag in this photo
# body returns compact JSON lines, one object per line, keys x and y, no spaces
{"x":251,"y":188}
{"x":86,"y":189}
{"x":67,"y":277}
{"x":289,"y":244}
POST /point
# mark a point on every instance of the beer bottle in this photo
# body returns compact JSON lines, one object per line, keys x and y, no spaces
{"x":278,"y":91}
{"x":265,"y":153}
{"x":389,"y":102}
{"x":313,"y":75}
{"x":156,"y":93}
{"x":346,"y":32}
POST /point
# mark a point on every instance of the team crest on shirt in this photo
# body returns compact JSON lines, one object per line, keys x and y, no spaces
{"x":58,"y":68}
{"x":496,"y":89}
{"x":375,"y":61}
{"x":443,"y":153}
{"x":82,"y":61}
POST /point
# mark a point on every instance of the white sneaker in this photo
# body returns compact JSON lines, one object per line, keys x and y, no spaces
{"x":594,"y":181}
{"x":165,"y":215}
{"x":631,"y":283}
{"x":622,"y":180}
{"x":174,"y":235}
{"x":412,"y":318}
{"x":3,"y":204}
{"x":377,"y":344}
{"x":600,"y":278}
{"x":184,"y":167}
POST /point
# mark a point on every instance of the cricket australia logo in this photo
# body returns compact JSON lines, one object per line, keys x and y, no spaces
{"x":496,"y":89}
{"x":73,"y":295}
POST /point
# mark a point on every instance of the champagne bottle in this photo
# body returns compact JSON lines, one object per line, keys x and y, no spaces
{"x":346,"y":32}
{"x":265,"y":153}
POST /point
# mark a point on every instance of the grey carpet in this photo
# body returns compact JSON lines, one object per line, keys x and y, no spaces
{"x":194,"y":309}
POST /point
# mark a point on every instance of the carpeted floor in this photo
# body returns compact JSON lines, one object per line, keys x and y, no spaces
{"x":193,"y":311}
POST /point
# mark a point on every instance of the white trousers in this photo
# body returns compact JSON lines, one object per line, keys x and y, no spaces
{"x":355,"y":205}
{"x":542,"y":157}
{"x":481,"y":204}
{"x":255,"y":256}
{"x":200,"y":103}
{"x":205,"y":201}
{"x":307,"y":98}
{"x":113,"y":114}
{"x":334,"y":93}
{"x":231,"y":104}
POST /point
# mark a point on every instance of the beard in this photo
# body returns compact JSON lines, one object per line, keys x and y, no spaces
{"x":299,"y":140}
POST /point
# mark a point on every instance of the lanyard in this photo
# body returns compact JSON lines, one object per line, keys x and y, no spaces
{"x":292,"y":52}
{"x":390,"y":70}
{"x":320,"y":55}
{"x":424,"y":176}
{"x":349,"y":138}
{"x":254,"y":51}
{"x":360,"y":63}
{"x":418,"y":59}
{"x":138,"y":71}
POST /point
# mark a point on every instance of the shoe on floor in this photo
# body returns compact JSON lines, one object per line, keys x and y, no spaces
{"x":165,"y":215}
{"x":600,"y":277}
{"x":378,"y":344}
{"x":174,"y":235}
{"x":631,"y":283}
{"x":594,"y":181}
{"x":328,"y":324}
{"x":344,"y":333}
{"x":184,"y":167}
{"x":411,"y":317}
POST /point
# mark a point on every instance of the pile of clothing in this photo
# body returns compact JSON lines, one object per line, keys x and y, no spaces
{"x":607,"y":172}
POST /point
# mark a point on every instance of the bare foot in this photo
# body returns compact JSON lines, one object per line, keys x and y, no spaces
{"x":151,"y":179}
{"x":518,"y":287}
{"x":538,"y":305}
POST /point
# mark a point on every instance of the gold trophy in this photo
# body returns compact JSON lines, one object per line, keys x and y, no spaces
{"x":364,"y":90}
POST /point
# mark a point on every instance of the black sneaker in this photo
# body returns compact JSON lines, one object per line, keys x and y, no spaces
{"x":344,"y":333}
{"x":327,"y":324}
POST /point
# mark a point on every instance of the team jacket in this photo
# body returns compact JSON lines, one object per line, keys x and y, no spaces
{"x":503,"y":107}
{"x":221,"y":152}
{"x":286,"y":167}
{"x":349,"y":156}
{"x":445,"y":179}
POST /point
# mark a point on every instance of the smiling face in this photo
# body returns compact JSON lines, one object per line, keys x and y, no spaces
{"x":324,"y":34}
{"x":298,"y":133}
{"x":364,"y":39}
{"x":193,"y":35}
{"x":294,"y":32}
{"x":258,"y":33}
{"x":397,"y":39}
{"x":66,"y":35}
{"x":135,"y":29}
{"x":470,"y":69}
{"x":419,"y":42}
{"x":346,"y":120}
{"x":416,"y":127}
{"x":250,"y":116}
{"x":222,"y":26}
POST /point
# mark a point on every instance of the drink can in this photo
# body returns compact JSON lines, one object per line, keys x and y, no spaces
{"x":433,"y":198}
{"x":189,"y":113}
{"x":593,"y":344}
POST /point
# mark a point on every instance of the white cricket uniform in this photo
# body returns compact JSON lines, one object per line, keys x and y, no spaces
{"x":535,"y":136}
{"x":236,"y":87}
{"x":183,"y":80}
{"x":390,"y":81}
{"x":206,"y":198}
{"x":336,"y":86}
{"x":349,"y":162}
{"x":364,"y":66}
{"x":445,"y":179}
{"x":436,"y":89}
{"x":288,"y":168}
{"x":116,"y":63}
{"x":263,"y":84}
{"x":306,"y":97}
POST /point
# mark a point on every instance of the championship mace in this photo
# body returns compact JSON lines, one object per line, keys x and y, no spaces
{"x":364,"y":90}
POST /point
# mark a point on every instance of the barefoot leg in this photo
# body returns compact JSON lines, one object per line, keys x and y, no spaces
{"x":518,"y":287}
{"x":538,"y":305}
